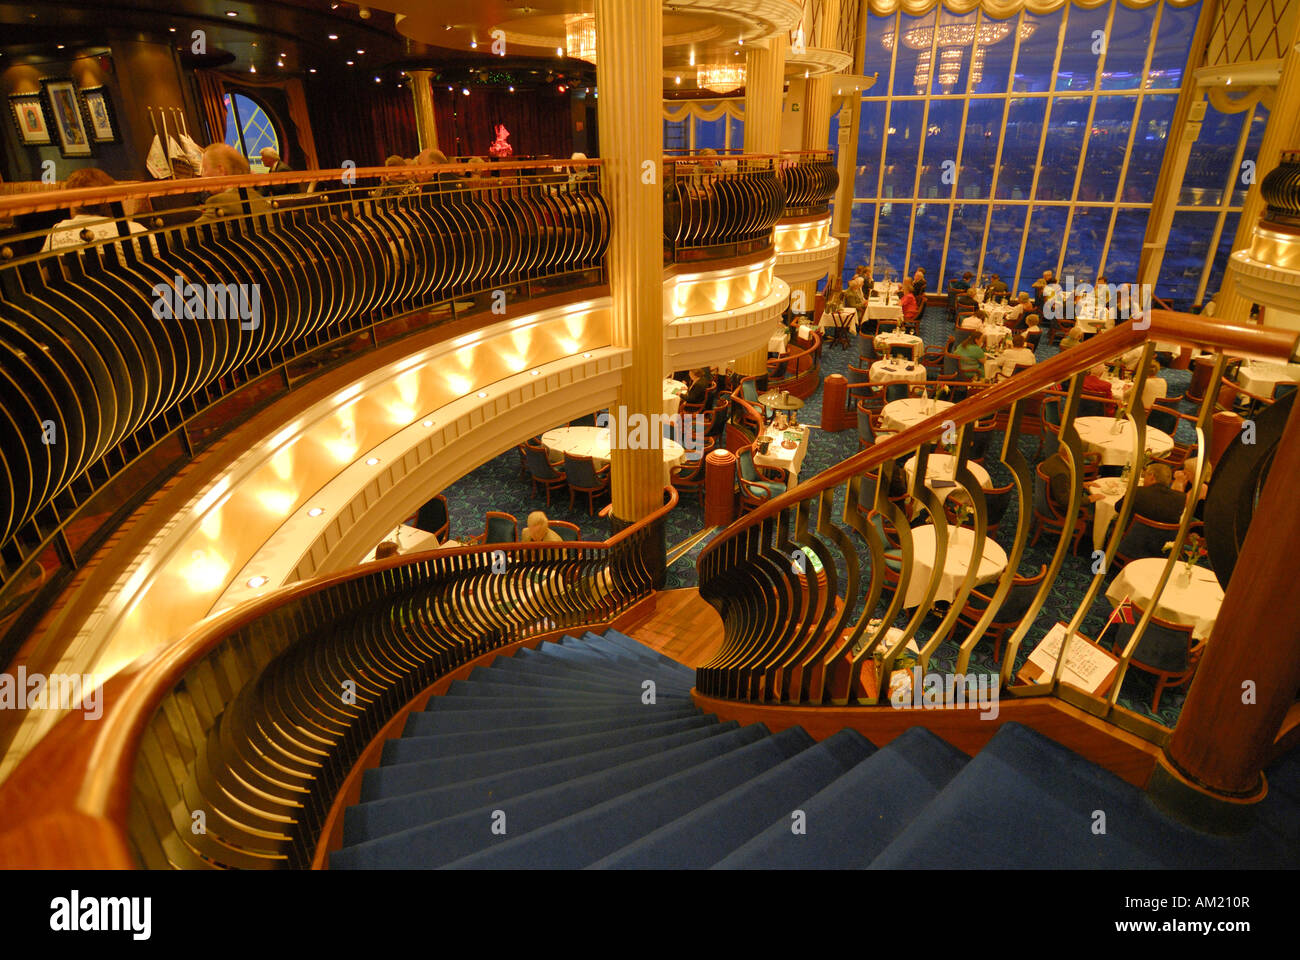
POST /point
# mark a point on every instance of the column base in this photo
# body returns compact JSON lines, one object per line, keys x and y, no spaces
{"x":1196,"y":806}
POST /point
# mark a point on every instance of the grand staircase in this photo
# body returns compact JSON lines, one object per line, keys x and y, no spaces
{"x":590,"y":753}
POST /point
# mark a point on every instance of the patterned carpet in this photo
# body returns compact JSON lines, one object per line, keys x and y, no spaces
{"x":499,"y":485}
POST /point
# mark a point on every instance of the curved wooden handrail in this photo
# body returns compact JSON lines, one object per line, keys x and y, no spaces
{"x":61,"y":199}
{"x":96,"y":769}
{"x":1259,"y":343}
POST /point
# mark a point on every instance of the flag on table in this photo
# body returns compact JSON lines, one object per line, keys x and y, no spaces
{"x":156,"y":162}
{"x":1123,"y":613}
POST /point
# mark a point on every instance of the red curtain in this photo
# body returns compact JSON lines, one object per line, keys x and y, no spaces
{"x":212,"y":89}
{"x":212,"y":104}
{"x":364,"y":125}
{"x":540,"y":121}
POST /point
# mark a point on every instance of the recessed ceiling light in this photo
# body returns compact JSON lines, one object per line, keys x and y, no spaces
{"x":534,"y":372}
{"x":449,"y":89}
{"x":512,"y":89}
{"x":312,"y":70}
{"x":465,"y":90}
{"x":256,"y":582}
{"x":473,"y":44}
{"x":252,"y":68}
{"x":315,"y":511}
{"x":482,"y":394}
{"x":349,"y":63}
{"x":559,"y":51}
{"x":587,"y":356}
{"x":428,"y":423}
{"x":334,"y":36}
{"x":361,"y":53}
{"x":60,"y":46}
{"x":231,"y":13}
{"x":171,"y":29}
{"x":377,"y":80}
{"x":371,"y":461}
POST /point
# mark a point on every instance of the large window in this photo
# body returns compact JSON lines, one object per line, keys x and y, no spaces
{"x":249,"y":129}
{"x":1017,"y":145}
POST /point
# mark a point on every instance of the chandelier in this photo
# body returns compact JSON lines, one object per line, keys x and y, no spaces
{"x":580,"y":37}
{"x":720,"y":78}
{"x":950,"y":44}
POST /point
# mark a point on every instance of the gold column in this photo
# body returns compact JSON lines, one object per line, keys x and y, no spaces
{"x":817,"y":101}
{"x":764,"y":93}
{"x":1281,"y":133}
{"x":629,"y":44}
{"x":753,"y":364}
{"x":426,"y":127}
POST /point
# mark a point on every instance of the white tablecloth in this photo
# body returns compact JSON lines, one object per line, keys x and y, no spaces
{"x":781,"y":458}
{"x":996,"y":312}
{"x":960,"y":543}
{"x":780,"y":340}
{"x":594,"y":442}
{"x":1111,"y":488}
{"x":673,"y":391}
{"x":942,"y":466}
{"x":1099,"y":435}
{"x":995,"y":335}
{"x":896,"y":371}
{"x":901,"y":414}
{"x":1195,"y":604}
{"x":879,"y":310}
{"x":887,"y":340}
{"x":848,"y":318}
{"x":1261,"y":378}
{"x":1093,"y":324}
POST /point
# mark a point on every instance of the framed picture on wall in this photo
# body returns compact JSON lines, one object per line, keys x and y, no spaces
{"x":66,"y":116}
{"x":29,"y":115}
{"x":99,"y":111}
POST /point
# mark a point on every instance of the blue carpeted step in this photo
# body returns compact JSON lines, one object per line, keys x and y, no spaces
{"x":622,"y":641}
{"x":402,"y":809}
{"x":424,"y":774}
{"x":537,"y":665}
{"x":587,"y":651}
{"x":461,"y":698}
{"x":1284,"y":776}
{"x":1026,"y":801}
{"x":710,"y":832}
{"x":855,"y":817}
{"x":451,"y":838}
{"x":584,"y":837}
{"x":408,"y":748}
{"x":598,"y":668}
{"x":503,"y":684}
{"x":433,"y":721}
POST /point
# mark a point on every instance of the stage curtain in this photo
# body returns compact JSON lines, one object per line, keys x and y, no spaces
{"x":1000,"y":9}
{"x":540,"y":121}
{"x":366,"y":126}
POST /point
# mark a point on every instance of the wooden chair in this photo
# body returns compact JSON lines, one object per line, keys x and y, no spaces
{"x":869,"y":427}
{"x":542,"y":471}
{"x":996,"y":502}
{"x":435,"y":518}
{"x":1047,"y":517}
{"x":689,"y":478}
{"x":568,"y":531}
{"x":756,"y":487}
{"x":498,"y":527}
{"x":583,"y":477}
{"x":1008,"y":616}
{"x":1146,"y":538}
{"x":1166,"y":650}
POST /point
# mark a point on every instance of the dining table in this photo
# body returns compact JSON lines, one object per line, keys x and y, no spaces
{"x":781,"y":457}
{"x":886,"y":341}
{"x":1189,"y":600}
{"x":674,"y":390}
{"x":899,"y":415}
{"x":1111,"y":490}
{"x":896,"y":370}
{"x":940,"y":474}
{"x":779,"y":341}
{"x":594,"y":442}
{"x":961,"y":541}
{"x":1261,"y":378}
{"x":1114,"y":439}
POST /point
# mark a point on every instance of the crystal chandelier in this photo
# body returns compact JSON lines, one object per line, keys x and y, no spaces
{"x":720,"y":78}
{"x":580,"y":37}
{"x":987,"y":33}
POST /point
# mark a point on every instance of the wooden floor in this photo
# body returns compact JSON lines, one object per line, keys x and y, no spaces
{"x":678,"y":624}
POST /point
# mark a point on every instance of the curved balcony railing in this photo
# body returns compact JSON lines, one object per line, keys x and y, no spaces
{"x":257,"y":718}
{"x":810,"y":180}
{"x":833,"y":639}
{"x":126,"y":353}
{"x":716,"y":207}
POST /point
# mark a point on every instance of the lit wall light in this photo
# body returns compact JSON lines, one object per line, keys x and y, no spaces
{"x":678,"y":81}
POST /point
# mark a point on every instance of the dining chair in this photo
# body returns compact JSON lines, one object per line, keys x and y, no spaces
{"x":689,"y":478}
{"x":566,"y":530}
{"x":1008,"y":616}
{"x":1048,"y":517}
{"x":755,"y":487}
{"x":434,"y":518}
{"x":583,"y":477}
{"x":542,"y":471}
{"x":498,"y":528}
{"x":1166,"y":650}
{"x":1146,"y":538}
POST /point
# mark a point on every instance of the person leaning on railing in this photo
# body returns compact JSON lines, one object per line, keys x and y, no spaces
{"x":223,"y":160}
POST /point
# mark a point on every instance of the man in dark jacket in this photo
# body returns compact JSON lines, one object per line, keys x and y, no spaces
{"x":1156,"y":499}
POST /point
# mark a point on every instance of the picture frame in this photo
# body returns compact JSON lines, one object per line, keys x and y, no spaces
{"x":66,"y":117}
{"x":31,"y":119}
{"x":99,"y":114}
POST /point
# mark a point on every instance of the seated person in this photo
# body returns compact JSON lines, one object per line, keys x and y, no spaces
{"x":387,"y":549}
{"x":1182,"y":481}
{"x":908,"y":302}
{"x":833,"y":294}
{"x":918,"y":283}
{"x":962,"y":285}
{"x":1075,"y":337}
{"x":1033,"y":330}
{"x":1155,"y":388}
{"x":701,"y":383}
{"x":1040,"y":288}
{"x":970,"y":358}
{"x":539,"y":530}
{"x":1096,"y":383}
{"x":1019,"y":310}
{"x":853,"y":296}
{"x":1019,"y":354}
{"x":223,"y":160}
{"x":997,"y":289}
{"x":1058,"y":484}
{"x":95,"y":217}
{"x":1156,"y":499}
